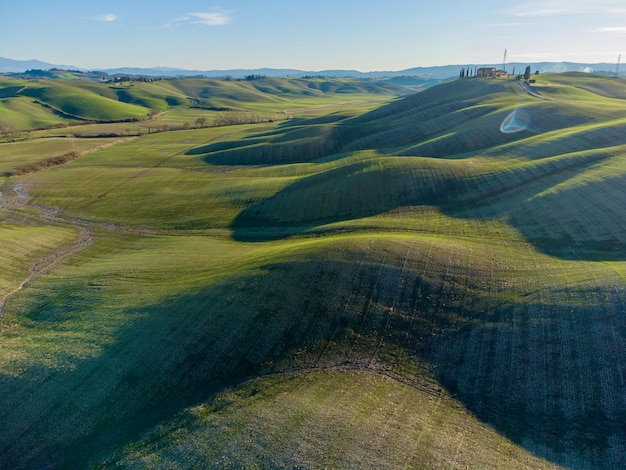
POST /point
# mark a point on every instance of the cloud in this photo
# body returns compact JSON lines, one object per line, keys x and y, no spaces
{"x":211,"y":18}
{"x":547,"y":8}
{"x":502,"y":25}
{"x":108,"y":17}
{"x":555,"y":11}
{"x":548,"y":12}
{"x":611,"y":29}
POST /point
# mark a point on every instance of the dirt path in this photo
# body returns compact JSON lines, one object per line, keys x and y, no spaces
{"x":42,"y":265}
{"x":53,"y":216}
{"x":528,"y":89}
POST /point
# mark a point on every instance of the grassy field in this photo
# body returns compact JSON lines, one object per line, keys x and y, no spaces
{"x":25,"y":153}
{"x":386,"y":283}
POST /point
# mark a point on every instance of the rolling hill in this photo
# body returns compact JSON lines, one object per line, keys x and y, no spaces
{"x":433,"y":281}
{"x":36,"y":104}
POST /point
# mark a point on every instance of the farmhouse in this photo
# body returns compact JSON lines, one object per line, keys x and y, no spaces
{"x":491,"y":72}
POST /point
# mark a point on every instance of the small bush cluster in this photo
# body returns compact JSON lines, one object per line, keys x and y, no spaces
{"x":235,"y":118}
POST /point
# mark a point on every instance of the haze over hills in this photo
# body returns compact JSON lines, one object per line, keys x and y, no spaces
{"x":435,"y":72}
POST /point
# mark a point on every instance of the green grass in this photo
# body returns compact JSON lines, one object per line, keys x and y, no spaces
{"x":82,"y":104}
{"x":315,"y":421}
{"x":15,"y":155}
{"x":603,"y":86}
{"x":21,"y":114}
{"x":404,"y":286}
{"x":23,"y":244}
{"x":182,"y":102}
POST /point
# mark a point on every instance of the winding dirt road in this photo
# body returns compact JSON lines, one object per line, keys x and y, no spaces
{"x":44,"y":264}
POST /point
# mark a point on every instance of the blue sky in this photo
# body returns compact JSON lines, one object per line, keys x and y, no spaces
{"x":311,"y":35}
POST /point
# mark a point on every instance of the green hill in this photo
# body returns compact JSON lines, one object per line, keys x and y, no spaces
{"x":434,"y":282}
{"x":36,"y":104}
{"x":82,"y":104}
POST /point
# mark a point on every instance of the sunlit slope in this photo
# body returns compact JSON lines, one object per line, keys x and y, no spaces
{"x":602,"y":85}
{"x":21,"y":113}
{"x":270,"y":93}
{"x":75,"y":102}
{"x":330,"y":419}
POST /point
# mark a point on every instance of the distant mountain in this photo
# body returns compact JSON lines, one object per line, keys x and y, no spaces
{"x":20,"y":66}
{"x":174,"y":72}
{"x":435,"y":72}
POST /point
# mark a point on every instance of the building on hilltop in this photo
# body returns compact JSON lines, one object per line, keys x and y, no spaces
{"x":491,"y":72}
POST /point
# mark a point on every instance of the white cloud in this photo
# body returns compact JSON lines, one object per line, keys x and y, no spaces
{"x":211,"y":18}
{"x":502,"y":25}
{"x":611,"y":29}
{"x":548,"y":8}
{"x":546,"y":12}
{"x":108,"y":17}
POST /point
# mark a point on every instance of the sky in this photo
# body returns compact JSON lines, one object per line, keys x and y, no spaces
{"x":314,"y":35}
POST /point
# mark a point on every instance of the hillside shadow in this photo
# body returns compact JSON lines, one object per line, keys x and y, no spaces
{"x":297,"y":315}
{"x":293,"y":141}
{"x":165,"y":358}
{"x":583,"y":223}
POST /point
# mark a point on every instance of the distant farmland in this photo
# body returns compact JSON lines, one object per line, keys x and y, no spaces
{"x":361,"y":278}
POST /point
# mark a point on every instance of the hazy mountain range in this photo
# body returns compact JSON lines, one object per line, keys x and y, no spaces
{"x":435,"y":72}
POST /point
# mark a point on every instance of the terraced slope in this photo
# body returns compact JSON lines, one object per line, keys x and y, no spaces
{"x":435,"y":283}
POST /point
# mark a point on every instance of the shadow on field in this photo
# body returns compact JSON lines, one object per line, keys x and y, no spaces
{"x":582,"y":222}
{"x":551,"y":386}
{"x":349,"y":192}
{"x":169,"y":356}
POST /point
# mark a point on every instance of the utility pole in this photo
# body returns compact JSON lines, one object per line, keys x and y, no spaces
{"x":504,"y":61}
{"x":619,"y":59}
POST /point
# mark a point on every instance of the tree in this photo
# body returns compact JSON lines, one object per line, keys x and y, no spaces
{"x":201,"y":121}
{"x":527,"y":72}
